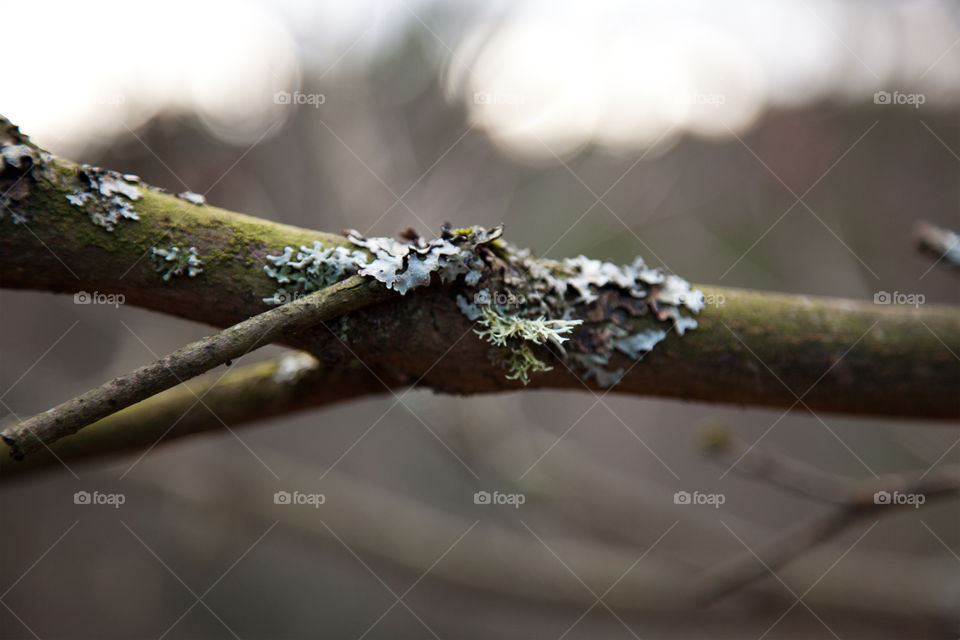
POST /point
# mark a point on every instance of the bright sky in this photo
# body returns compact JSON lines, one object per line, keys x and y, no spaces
{"x":543,"y":78}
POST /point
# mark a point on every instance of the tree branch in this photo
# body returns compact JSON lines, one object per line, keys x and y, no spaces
{"x":241,"y":395}
{"x":33,"y":434}
{"x":749,"y":348}
{"x":855,"y":500}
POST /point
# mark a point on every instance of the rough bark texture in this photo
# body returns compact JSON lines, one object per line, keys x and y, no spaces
{"x":858,"y":357}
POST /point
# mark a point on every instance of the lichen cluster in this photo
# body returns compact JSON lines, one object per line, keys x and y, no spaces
{"x":534,"y":303}
{"x":400,"y":266}
{"x":106,"y":196}
{"x":310,"y":270}
{"x":20,"y":166}
{"x":175,"y":262}
{"x":624,"y":309}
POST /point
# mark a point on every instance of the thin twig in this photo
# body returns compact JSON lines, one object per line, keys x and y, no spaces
{"x":855,"y":500}
{"x":34,"y":433}
{"x":210,"y":403}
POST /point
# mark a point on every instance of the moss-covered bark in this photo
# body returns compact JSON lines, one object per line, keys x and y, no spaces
{"x":857,"y":357}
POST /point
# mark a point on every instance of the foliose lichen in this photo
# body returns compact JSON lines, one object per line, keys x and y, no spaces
{"x":400,"y":266}
{"x":21,"y":166}
{"x":310,"y":270}
{"x":403,"y":266}
{"x":106,"y":196}
{"x":580,"y":310}
{"x":624,"y":310}
{"x":175,"y":262}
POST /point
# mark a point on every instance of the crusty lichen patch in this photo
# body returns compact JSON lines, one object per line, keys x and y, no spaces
{"x":402,"y":266}
{"x":311,"y":269}
{"x":106,"y":196}
{"x":21,"y":165}
{"x":582,"y":311}
{"x":623,"y":310}
{"x":175,"y":262}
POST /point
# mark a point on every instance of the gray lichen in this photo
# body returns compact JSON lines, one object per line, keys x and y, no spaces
{"x":14,"y":155}
{"x":106,"y":196}
{"x":625,"y":310}
{"x":615,"y":310}
{"x":310,"y":270}
{"x":402,"y":266}
{"x":469,"y":309}
{"x":20,"y":166}
{"x":193,"y":198}
{"x":175,"y":262}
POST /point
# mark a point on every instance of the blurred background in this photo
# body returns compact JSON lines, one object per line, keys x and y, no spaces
{"x":779,"y":145}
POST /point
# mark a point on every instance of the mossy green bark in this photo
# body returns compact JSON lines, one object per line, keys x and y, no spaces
{"x":757,"y":348}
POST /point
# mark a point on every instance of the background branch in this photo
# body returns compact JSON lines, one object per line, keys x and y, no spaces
{"x":855,"y":500}
{"x":506,"y":559}
{"x":239,"y":396}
